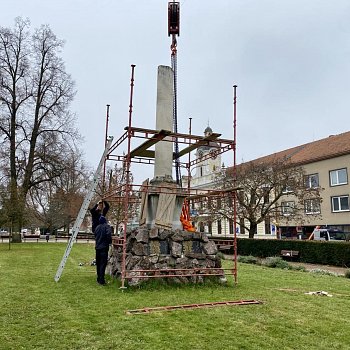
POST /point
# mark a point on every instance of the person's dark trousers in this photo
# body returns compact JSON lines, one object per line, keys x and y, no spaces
{"x":101,"y":263}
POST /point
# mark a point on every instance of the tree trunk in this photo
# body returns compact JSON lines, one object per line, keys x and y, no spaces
{"x":253,"y":230}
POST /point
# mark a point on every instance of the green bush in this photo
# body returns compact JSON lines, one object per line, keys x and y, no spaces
{"x":275,"y":261}
{"x":250,"y":259}
{"x":299,"y":268}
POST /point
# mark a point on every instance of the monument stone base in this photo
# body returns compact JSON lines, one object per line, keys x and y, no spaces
{"x":190,"y":254}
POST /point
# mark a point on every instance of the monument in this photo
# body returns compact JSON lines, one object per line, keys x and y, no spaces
{"x":160,"y":247}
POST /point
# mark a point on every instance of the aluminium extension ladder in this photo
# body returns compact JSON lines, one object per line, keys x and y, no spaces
{"x":83,"y":210}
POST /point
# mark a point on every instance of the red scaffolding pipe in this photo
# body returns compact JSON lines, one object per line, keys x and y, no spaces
{"x":147,"y":310}
{"x":235,"y":182}
{"x":104,"y":164}
{"x":127,"y":172}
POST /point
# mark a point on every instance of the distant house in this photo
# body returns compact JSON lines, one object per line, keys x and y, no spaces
{"x":326,"y":164}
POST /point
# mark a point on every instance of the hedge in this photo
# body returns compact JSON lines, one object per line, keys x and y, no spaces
{"x":314,"y":252}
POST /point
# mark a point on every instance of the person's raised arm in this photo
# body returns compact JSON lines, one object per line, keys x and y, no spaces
{"x":93,"y":209}
{"x":105,"y":208}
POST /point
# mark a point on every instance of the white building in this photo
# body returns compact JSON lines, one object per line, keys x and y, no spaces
{"x":326,"y":163}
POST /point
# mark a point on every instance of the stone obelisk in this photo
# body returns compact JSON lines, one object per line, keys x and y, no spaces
{"x":165,"y":198}
{"x":163,"y":161}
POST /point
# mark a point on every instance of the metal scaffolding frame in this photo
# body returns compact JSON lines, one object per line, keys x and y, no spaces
{"x":143,"y":154}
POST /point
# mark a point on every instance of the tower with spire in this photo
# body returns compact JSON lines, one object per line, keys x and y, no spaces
{"x":209,"y":163}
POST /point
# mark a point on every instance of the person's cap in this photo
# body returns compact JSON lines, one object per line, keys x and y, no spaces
{"x":102,"y":220}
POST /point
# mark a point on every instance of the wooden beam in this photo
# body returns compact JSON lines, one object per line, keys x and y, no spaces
{"x":203,"y":142}
{"x":142,"y":150}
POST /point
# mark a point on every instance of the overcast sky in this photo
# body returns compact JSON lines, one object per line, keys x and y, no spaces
{"x":289,"y":58}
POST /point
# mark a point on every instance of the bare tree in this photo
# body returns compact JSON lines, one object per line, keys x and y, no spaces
{"x":57,"y":203}
{"x":36,"y":126}
{"x":116,"y":192}
{"x":263,"y":189}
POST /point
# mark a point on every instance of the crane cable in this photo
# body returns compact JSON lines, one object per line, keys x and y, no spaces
{"x":174,"y":68}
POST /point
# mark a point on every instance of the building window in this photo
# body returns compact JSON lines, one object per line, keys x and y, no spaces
{"x":267,"y":225}
{"x":287,"y":207}
{"x":229,"y":200}
{"x":241,"y":226}
{"x":266,"y":195}
{"x":240,"y":196}
{"x":201,"y":206}
{"x":312,"y":206}
{"x":287,"y":189}
{"x":230,"y":227}
{"x":338,"y":177}
{"x":340,"y":203}
{"x":209,"y":202}
{"x":311,"y":181}
{"x":219,"y":227}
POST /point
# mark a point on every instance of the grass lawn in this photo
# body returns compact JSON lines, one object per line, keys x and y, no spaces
{"x":76,"y":313}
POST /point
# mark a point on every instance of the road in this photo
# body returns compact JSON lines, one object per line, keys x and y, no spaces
{"x":51,"y":240}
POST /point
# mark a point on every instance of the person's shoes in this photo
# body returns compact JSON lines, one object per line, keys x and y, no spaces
{"x":101,"y":283}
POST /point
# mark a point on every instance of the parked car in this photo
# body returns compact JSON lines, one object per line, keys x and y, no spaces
{"x":324,"y":234}
{"x":3,"y":233}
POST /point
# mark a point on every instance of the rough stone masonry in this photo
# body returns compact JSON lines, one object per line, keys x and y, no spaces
{"x":161,"y":249}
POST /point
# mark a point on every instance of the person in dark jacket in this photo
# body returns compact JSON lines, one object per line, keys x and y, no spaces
{"x":100,"y":208}
{"x":103,"y":238}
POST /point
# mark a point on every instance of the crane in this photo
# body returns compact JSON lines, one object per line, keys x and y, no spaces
{"x":173,"y":31}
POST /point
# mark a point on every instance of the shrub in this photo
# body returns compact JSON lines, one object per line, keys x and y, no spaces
{"x":347,"y":274}
{"x":250,"y":259}
{"x":323,"y":272}
{"x":275,"y":261}
{"x":298,"y":268}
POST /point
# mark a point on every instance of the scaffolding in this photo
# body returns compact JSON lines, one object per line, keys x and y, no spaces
{"x":139,"y":143}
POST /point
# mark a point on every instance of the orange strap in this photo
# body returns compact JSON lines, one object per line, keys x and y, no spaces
{"x":185,"y":218}
{"x":187,"y":225}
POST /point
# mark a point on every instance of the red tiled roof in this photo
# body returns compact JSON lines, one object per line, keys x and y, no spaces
{"x":329,"y":147}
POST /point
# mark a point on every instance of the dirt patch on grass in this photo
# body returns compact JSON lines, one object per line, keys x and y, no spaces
{"x":335,"y":269}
